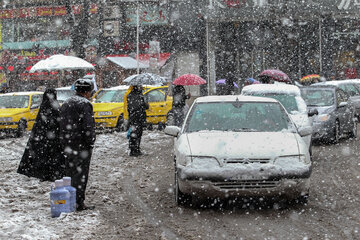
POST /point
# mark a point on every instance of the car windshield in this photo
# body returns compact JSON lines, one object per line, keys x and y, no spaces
{"x":288,"y":101}
{"x":19,"y":101}
{"x":318,"y":97}
{"x":108,"y":96}
{"x":237,"y":116}
{"x":62,"y":95}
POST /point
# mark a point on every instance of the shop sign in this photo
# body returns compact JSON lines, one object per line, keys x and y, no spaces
{"x":348,"y":4}
{"x":148,"y":15}
{"x":126,"y":46}
{"x":43,"y":11}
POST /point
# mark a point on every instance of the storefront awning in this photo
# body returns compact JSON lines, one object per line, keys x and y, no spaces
{"x":127,"y":62}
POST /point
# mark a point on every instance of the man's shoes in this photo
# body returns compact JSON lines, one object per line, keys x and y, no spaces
{"x":83,"y":207}
{"x":135,"y":154}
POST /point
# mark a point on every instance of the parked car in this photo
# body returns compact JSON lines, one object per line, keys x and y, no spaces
{"x":290,"y":97}
{"x":110,"y":107}
{"x":335,"y":114}
{"x":18,"y":111}
{"x":239,"y":146}
{"x":349,"y":86}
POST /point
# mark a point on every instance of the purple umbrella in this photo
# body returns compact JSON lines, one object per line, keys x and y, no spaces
{"x":222,"y":81}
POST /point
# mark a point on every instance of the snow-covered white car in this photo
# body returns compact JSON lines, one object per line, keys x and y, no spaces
{"x":240,"y":146}
{"x":290,"y":97}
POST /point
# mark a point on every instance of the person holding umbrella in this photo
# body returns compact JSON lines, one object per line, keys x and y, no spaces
{"x":178,"y":105}
{"x":137,"y":118}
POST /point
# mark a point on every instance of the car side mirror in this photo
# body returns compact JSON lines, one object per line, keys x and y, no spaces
{"x":342,"y":104}
{"x":305,"y":131}
{"x":313,"y":112}
{"x":172,"y":130}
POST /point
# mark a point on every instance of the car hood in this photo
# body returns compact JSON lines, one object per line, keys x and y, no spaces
{"x":7,"y":112}
{"x":103,"y":107}
{"x":242,"y":144}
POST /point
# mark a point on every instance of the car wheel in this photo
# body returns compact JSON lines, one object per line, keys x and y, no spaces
{"x":120,"y":124}
{"x":161,"y":126}
{"x":336,"y":135}
{"x":150,"y":127}
{"x":180,"y":197}
{"x":353,"y":133}
{"x":21,"y":128}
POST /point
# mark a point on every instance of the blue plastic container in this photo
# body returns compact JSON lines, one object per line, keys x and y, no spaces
{"x":59,"y":199}
{"x":72,"y":190}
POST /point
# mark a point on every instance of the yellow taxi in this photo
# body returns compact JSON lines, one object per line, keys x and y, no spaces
{"x":18,"y":111}
{"x":109,"y":106}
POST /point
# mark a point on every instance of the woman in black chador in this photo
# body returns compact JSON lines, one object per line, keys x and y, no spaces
{"x":42,"y":157}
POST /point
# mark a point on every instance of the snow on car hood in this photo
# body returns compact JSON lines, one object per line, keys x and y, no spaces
{"x":242,"y":144}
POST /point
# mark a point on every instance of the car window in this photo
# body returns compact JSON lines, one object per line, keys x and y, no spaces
{"x":351,"y":90}
{"x":155,"y":96}
{"x":318,"y":97}
{"x":9,"y":101}
{"x":235,"y":116}
{"x":36,"y":101}
{"x":288,"y":101}
{"x":108,"y":96}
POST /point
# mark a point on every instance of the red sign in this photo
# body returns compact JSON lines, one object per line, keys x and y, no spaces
{"x":44,"y":11}
{"x":235,"y":3}
{"x":59,"y":11}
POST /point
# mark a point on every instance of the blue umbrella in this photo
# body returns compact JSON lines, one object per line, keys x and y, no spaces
{"x":222,"y":81}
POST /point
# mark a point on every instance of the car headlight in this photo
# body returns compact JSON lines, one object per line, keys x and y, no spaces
{"x":201,"y":162}
{"x":291,"y":160}
{"x":105,"y":113}
{"x":6,"y":119}
{"x":322,"y":118}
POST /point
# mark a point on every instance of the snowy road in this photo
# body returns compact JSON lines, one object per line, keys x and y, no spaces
{"x":134,"y":199}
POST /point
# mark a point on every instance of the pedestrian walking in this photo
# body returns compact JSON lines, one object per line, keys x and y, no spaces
{"x":179,"y":109}
{"x":77,"y":134}
{"x":229,"y":83}
{"x":42,"y":157}
{"x":137,"y":118}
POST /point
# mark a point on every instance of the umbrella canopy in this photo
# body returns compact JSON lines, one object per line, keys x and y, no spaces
{"x":61,"y":62}
{"x":310,"y":78}
{"x":275,"y":75}
{"x":145,"y":79}
{"x":189,"y":79}
{"x":252,"y":81}
{"x":222,"y":81}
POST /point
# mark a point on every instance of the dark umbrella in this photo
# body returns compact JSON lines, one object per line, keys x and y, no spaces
{"x":270,"y":75}
{"x":189,"y":79}
{"x":145,"y":79}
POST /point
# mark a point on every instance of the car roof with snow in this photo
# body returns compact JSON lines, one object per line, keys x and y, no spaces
{"x":272,"y":88}
{"x":120,"y":87}
{"x":233,"y":98}
{"x":64,"y":88}
{"x":22,"y":93}
{"x":337,"y":82}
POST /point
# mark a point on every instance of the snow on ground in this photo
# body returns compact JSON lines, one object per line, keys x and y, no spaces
{"x":25,"y":202}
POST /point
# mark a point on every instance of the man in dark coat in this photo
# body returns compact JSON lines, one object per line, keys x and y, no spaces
{"x":178,"y":104}
{"x":229,"y":83}
{"x":77,"y":134}
{"x":137,"y":118}
{"x":42,"y":157}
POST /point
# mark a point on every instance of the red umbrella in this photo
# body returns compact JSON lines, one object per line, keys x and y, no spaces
{"x":275,"y":75}
{"x":189,"y":79}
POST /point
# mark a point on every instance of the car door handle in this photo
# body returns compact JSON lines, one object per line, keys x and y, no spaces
{"x":162,"y":105}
